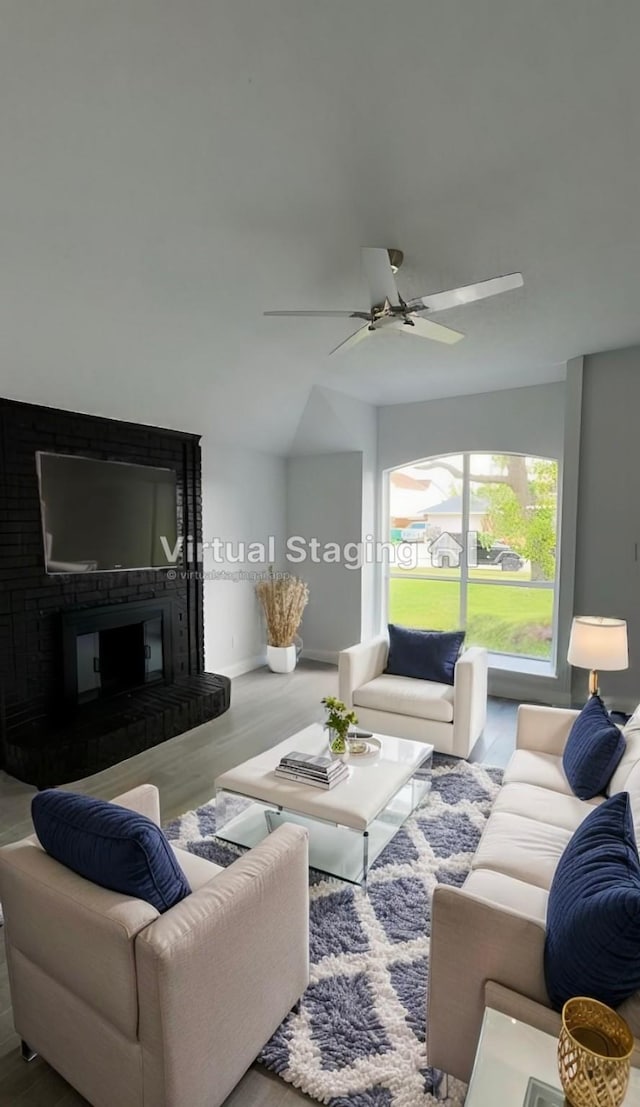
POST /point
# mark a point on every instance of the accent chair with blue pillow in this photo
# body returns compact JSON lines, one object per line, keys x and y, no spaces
{"x":164,"y":991}
{"x":418,"y":684}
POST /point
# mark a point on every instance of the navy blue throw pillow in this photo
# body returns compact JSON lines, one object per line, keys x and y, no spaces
{"x":594,"y":748}
{"x":109,"y":845}
{"x":593,"y":915}
{"x":423,"y":654}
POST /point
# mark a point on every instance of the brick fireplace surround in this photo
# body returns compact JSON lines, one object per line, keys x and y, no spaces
{"x":44,"y":738}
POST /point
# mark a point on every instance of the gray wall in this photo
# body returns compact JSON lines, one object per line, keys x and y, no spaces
{"x":516,"y":420}
{"x":243,"y":499}
{"x":324,"y":501}
{"x":607,"y":571}
{"x":335,"y":423}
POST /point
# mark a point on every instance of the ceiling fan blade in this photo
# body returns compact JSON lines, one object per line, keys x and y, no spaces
{"x":352,"y":340}
{"x":426,"y":328}
{"x":455,"y":297}
{"x":323,"y":314}
{"x":380,"y":275}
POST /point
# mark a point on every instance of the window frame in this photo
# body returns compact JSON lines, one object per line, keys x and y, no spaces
{"x":498,"y":659}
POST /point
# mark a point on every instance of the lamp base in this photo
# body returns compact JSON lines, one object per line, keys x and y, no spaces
{"x":593,"y":683}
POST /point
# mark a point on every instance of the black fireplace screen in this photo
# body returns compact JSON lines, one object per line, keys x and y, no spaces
{"x":111,"y":649}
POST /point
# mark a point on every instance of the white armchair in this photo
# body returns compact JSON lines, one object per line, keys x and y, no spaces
{"x":135,"y":1008}
{"x":450,"y":716}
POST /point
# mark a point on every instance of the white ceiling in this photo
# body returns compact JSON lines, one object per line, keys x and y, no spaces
{"x":172,"y":169}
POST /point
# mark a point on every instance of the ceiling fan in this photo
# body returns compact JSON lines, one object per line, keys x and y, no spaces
{"x":390,"y":312}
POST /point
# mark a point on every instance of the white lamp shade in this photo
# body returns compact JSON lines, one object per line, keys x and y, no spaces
{"x":598,"y":643}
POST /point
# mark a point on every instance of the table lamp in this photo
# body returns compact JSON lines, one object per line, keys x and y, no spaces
{"x":598,"y":643}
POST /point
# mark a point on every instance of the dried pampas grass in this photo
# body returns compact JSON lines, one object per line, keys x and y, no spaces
{"x":283,"y":598}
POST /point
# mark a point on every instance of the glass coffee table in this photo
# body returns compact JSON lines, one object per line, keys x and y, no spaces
{"x":350,"y":824}
{"x":517,"y":1066}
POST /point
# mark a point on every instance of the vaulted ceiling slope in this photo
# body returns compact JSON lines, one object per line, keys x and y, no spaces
{"x":171,"y":170}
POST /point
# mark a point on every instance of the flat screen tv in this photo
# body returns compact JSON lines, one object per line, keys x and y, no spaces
{"x":103,"y":516}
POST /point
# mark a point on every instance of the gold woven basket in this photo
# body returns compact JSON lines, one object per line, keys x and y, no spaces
{"x":594,"y":1054}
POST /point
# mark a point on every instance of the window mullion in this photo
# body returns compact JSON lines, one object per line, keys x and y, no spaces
{"x":464,"y":564}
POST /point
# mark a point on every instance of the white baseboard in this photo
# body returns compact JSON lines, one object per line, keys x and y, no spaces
{"x":248,"y":664}
{"x":238,"y":668}
{"x":528,"y":688}
{"x":330,"y":657}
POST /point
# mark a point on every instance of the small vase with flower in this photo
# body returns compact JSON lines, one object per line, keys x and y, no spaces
{"x":338,"y":720}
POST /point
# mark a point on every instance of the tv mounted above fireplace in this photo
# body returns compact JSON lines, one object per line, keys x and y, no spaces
{"x":104,"y":516}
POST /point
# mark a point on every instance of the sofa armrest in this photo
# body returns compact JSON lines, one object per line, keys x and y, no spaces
{"x":360,"y":664}
{"x":544,"y":729}
{"x":519,"y":1007}
{"x":470,"y":702}
{"x":472,"y":942}
{"x":218,"y":972}
{"x":145,"y":799}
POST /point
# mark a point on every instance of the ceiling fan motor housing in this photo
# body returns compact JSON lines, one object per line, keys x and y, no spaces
{"x":396,"y":258}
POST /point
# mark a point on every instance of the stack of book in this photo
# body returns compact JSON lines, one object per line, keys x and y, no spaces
{"x":308,"y":768}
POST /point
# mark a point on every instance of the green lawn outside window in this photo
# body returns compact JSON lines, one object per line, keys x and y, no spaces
{"x":507,"y":620}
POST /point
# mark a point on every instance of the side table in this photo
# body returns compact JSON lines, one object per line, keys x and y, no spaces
{"x":510,"y":1054}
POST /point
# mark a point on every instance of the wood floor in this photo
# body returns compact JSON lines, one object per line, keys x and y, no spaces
{"x":265,"y":708}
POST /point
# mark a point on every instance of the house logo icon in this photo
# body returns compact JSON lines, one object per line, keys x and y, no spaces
{"x":445,"y":551}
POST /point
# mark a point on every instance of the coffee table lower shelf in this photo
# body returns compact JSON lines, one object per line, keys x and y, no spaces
{"x":334,"y":850}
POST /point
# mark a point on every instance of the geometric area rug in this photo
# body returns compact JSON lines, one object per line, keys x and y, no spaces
{"x":358,"y":1038}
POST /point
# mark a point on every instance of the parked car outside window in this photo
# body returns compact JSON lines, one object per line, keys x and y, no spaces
{"x":415,"y":532}
{"x":500,"y":554}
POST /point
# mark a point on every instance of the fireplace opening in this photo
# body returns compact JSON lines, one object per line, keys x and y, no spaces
{"x":111,"y":650}
{"x":118,"y":658}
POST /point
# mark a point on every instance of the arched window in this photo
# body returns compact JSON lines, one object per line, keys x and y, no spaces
{"x":475,"y":546}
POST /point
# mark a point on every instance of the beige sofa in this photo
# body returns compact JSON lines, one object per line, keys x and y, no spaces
{"x":449,"y":716}
{"x":145,"y":1010}
{"x":487,"y":937}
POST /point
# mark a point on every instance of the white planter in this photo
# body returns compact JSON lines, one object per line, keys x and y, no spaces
{"x":282,"y":659}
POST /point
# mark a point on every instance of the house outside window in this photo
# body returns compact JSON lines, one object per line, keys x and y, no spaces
{"x":475,"y":538}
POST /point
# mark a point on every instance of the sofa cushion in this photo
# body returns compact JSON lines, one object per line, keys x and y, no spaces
{"x":542,"y":769}
{"x":197,"y":870}
{"x":630,"y":757}
{"x":594,"y":749}
{"x":110,"y":846}
{"x":401,"y":695}
{"x":506,"y":891}
{"x":633,"y":790}
{"x":630,"y":1011}
{"x":592,"y":945}
{"x":543,"y":805}
{"x":423,"y":654}
{"x":522,"y":848}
